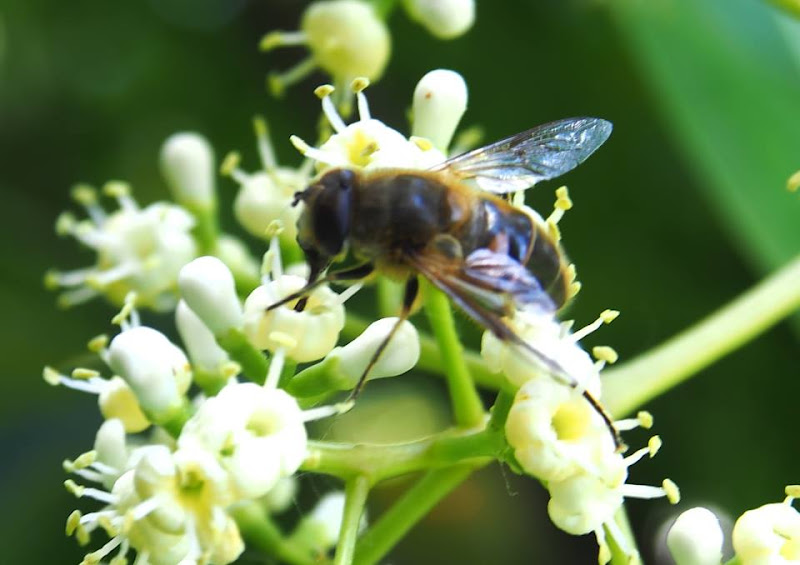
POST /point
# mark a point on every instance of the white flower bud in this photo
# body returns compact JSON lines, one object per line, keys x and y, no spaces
{"x":696,"y":538}
{"x":399,"y":356}
{"x":234,"y":253}
{"x":582,"y":503}
{"x":305,"y":336}
{"x":187,"y":163}
{"x":258,"y":434}
{"x":327,"y":515}
{"x":769,"y":534}
{"x":119,"y":402}
{"x":110,"y":444}
{"x":346,"y":38}
{"x":208,"y":288}
{"x":199,"y":341}
{"x":264,"y":198}
{"x":281,"y":496}
{"x":440,"y":101}
{"x":154,"y":368}
{"x":445,"y":19}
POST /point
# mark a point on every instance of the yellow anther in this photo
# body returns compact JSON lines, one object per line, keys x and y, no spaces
{"x":84,"y":194}
{"x":276,"y":85}
{"x":105,"y":522}
{"x":605,"y":353}
{"x":609,"y":316}
{"x":116,"y":189}
{"x":793,"y":491}
{"x":359,"y":84}
{"x":421,"y":142}
{"x":82,"y":536}
{"x":270,"y":41}
{"x":563,"y":201}
{"x":324,"y":90}
{"x":654,"y":444}
{"x":73,"y":522}
{"x":65,"y":223}
{"x":645,"y":419}
{"x":230,"y":163}
{"x":84,"y":374}
{"x":52,"y":280}
{"x":260,"y":126}
{"x":574,"y":289}
{"x":793,"y":184}
{"x":672,"y":491}
{"x":74,"y":488}
{"x":572,"y":272}
{"x":283,"y":339}
{"x":230,"y":369}
{"x":81,"y":462}
{"x":51,"y":376}
{"x":98,"y":343}
{"x":299,"y":144}
{"x":275,"y":228}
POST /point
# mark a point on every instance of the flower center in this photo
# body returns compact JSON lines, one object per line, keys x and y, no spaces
{"x":570,"y":421}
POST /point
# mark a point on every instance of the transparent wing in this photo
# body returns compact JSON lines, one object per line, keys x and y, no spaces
{"x":520,"y":161}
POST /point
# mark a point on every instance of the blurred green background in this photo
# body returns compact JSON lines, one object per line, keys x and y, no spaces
{"x":684,"y":208}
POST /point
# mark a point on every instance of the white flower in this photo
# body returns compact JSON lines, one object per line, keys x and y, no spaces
{"x":445,"y":19}
{"x":544,"y":333}
{"x":555,"y":433}
{"x":187,"y":163}
{"x":696,"y":538}
{"x":118,"y":401}
{"x":346,"y":38}
{"x":156,"y":370}
{"x":257,"y":434}
{"x":306,"y":335}
{"x":200,"y":344}
{"x":769,"y":535}
{"x":440,"y":100}
{"x":367,"y":143}
{"x":138,"y":249}
{"x":265,"y":196}
{"x":208,"y":288}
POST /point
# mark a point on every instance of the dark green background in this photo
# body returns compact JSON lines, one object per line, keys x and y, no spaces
{"x":683,"y":209}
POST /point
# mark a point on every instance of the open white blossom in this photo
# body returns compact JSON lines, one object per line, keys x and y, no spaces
{"x":257,"y":434}
{"x":346,"y":39}
{"x":304,"y":336}
{"x":138,"y":249}
{"x":769,"y":535}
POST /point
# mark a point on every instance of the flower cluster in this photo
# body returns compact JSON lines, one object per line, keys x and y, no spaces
{"x":766,"y":535}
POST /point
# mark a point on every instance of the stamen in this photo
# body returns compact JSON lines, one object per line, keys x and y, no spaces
{"x":230,"y":167}
{"x":606,"y":317}
{"x":311,"y":152}
{"x":122,"y":192}
{"x":275,"y":365}
{"x":65,"y":223}
{"x":98,"y":343}
{"x":358,"y":85}
{"x":73,"y":522}
{"x":54,"y":378}
{"x":562,"y":204}
{"x":89,"y":475}
{"x":642,"y":491}
{"x":128,"y":310}
{"x":56,"y":279}
{"x":654,"y":445}
{"x":605,"y":353}
{"x":82,"y":461}
{"x":265,"y":151}
{"x":97,"y":556}
{"x":672,"y":490}
{"x":604,"y":552}
{"x":621,"y":540}
{"x":275,"y":39}
{"x":273,"y":231}
{"x":643,"y":419}
{"x":324,"y":93}
{"x":348,"y":293}
{"x":100,"y":279}
{"x":86,"y":196}
{"x":88,"y":492}
{"x":278,"y":82}
{"x":76,"y":296}
{"x":792,"y":492}
{"x":636,"y":456}
{"x":142,"y":509}
{"x":327,"y":411}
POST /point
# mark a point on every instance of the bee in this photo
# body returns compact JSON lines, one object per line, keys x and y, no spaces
{"x":452,"y":225}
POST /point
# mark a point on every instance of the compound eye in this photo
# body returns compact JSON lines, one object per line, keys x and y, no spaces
{"x":332,"y":218}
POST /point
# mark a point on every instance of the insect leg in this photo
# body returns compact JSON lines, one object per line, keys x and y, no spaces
{"x":350,"y":274}
{"x":410,"y":295}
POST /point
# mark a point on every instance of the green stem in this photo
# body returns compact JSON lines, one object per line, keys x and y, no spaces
{"x":355,"y":493}
{"x":379,"y":462}
{"x":430,"y":358}
{"x":629,"y":386}
{"x":619,"y":557}
{"x":467,"y":406}
{"x":206,"y":229}
{"x":395,"y":523}
{"x":261,"y":532}
{"x":389,"y":297}
{"x":254,"y":363}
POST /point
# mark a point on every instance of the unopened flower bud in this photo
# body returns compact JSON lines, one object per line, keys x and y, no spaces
{"x":154,"y":368}
{"x":234,"y":253}
{"x":440,"y":101}
{"x":208,"y":288}
{"x":187,"y":163}
{"x":346,"y":38}
{"x":110,"y":445}
{"x":203,"y":350}
{"x":444,"y":19}
{"x":769,"y":534}
{"x":399,"y":356}
{"x":582,"y":503}
{"x":696,"y":538}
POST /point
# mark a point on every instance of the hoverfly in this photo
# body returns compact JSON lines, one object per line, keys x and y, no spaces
{"x":469,"y":242}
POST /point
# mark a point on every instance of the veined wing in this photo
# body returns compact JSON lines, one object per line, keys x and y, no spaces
{"x":541,"y":153}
